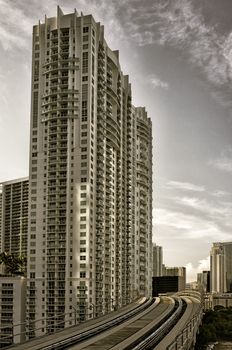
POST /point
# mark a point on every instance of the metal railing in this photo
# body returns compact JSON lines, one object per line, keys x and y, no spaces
{"x":187,"y":336}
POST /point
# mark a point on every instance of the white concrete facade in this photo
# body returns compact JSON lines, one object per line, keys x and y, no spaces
{"x":90,"y":178}
{"x":14,"y":216}
{"x":157,"y":260}
{"x":12,"y":310}
{"x":221,"y":267}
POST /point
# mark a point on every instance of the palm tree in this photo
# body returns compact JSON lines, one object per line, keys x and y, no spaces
{"x":14,"y":265}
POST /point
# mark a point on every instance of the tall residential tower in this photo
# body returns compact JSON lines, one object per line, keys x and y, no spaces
{"x":221,"y":267}
{"x":90,"y":178}
{"x":157,"y":252}
{"x":14,"y":216}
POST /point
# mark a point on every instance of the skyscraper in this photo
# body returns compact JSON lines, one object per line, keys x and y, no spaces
{"x":221,"y":267}
{"x":14,"y":216}
{"x":90,"y":178}
{"x":157,"y":260}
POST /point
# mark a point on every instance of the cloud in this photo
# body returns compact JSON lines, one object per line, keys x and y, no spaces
{"x":224,"y":162}
{"x":157,"y":83}
{"x":180,"y":24}
{"x":185,"y":186}
{"x":220,"y":194}
{"x":186,"y":226}
{"x":218,"y":211}
{"x":143,"y":39}
{"x":193,"y":270}
{"x":206,"y":48}
{"x":15,"y":27}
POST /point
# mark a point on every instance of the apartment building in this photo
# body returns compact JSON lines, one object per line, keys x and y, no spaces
{"x":90,"y":218}
{"x":14,"y":216}
{"x":157,"y":252}
{"x":221,"y":267}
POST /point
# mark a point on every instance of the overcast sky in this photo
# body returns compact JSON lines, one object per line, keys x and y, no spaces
{"x":178,"y":54}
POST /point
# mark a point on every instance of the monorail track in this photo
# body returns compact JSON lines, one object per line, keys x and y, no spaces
{"x":148,"y":325}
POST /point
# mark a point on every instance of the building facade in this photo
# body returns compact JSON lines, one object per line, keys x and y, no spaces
{"x":14,"y":216}
{"x":157,"y":261}
{"x":90,"y":178}
{"x":203,"y":281}
{"x":221,"y":267}
{"x":12,"y":310}
{"x":1,"y":216}
{"x":179,"y":271}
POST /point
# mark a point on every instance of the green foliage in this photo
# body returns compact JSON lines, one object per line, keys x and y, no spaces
{"x":216,"y":325}
{"x":14,"y":265}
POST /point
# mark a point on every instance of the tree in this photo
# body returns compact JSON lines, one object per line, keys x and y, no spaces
{"x":14,"y":265}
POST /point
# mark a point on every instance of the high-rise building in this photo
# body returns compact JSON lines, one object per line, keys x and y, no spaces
{"x":203,"y":281}
{"x":157,"y":261}
{"x":14,"y":216}
{"x":13,"y":233}
{"x":221,"y":267}
{"x":90,"y":223}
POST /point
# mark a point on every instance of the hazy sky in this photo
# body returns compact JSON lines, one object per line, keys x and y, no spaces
{"x":178,"y":54}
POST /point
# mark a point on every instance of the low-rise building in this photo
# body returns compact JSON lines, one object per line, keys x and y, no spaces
{"x":12,"y":310}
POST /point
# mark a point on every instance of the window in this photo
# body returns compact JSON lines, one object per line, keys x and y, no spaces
{"x":85,"y":29}
{"x":82,"y":257}
{"x":84,"y":91}
{"x":84,"y":108}
{"x":82,"y":274}
{"x":85,"y":62}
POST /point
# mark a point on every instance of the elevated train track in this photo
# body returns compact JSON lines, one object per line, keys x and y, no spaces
{"x":164,"y":323}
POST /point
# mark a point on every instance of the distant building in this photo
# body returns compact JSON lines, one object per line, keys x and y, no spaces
{"x":12,"y":310}
{"x":166,"y":284}
{"x":203,"y":281}
{"x":177,"y":271}
{"x":221,"y":267}
{"x":213,"y":300}
{"x":157,"y":260}
{"x":14,"y":216}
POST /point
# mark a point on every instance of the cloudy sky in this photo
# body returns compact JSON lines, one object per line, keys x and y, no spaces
{"x":178,"y":54}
